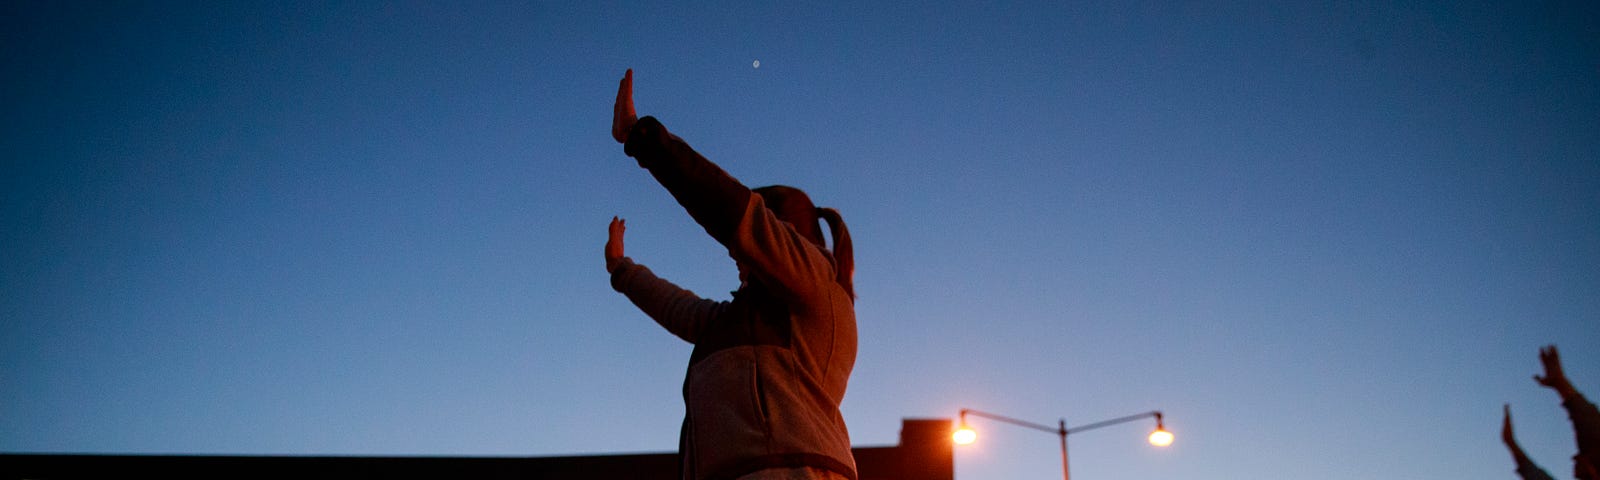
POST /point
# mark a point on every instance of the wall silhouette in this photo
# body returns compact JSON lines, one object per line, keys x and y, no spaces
{"x":924,"y":453}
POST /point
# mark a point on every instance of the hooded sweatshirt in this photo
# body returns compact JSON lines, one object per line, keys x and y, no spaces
{"x":770,"y":367}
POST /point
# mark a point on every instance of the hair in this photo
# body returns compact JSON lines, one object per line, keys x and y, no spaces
{"x":794,"y":206}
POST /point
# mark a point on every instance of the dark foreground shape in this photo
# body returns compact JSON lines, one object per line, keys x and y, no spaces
{"x":924,"y":453}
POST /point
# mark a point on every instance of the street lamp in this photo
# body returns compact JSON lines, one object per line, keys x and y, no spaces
{"x":965,"y":435}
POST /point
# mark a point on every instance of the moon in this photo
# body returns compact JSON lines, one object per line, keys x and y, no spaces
{"x":755,"y":64}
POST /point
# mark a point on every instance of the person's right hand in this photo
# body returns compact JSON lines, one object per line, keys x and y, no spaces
{"x":614,"y":243}
{"x":1553,"y":376}
{"x":622,"y":114}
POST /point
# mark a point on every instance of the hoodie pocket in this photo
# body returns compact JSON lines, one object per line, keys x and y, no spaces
{"x":758,"y":390}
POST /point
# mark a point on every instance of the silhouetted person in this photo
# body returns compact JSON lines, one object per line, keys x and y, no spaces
{"x":769,"y":367}
{"x":1585,"y":423}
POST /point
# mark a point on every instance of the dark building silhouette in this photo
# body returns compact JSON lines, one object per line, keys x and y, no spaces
{"x":924,"y":453}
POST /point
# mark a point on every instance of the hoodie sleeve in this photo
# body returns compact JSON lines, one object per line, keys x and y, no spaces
{"x":715,"y":199}
{"x":731,"y":213}
{"x":675,"y":308}
{"x":1585,"y":424}
{"x":1530,"y":471}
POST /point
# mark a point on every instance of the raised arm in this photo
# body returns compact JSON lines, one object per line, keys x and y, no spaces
{"x":1525,"y":467}
{"x":727,"y":210}
{"x":714,"y":198}
{"x":1585,"y":417}
{"x":675,"y":308}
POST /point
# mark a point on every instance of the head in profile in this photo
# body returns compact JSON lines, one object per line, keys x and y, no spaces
{"x":793,"y":206}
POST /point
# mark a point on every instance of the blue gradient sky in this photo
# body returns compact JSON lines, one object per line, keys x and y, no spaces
{"x":1326,"y":238}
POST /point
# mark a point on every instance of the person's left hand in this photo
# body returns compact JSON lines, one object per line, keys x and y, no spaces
{"x":622,"y":114}
{"x":614,"y":243}
{"x":1505,"y":429}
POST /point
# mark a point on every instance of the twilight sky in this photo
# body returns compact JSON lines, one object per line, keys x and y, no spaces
{"x":1326,"y":238}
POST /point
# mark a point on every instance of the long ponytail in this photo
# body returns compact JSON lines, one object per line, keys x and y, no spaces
{"x":844,"y":261}
{"x":794,"y":206}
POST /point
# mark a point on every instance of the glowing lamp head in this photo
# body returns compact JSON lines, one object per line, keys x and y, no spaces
{"x":1160,"y":438}
{"x":965,"y":435}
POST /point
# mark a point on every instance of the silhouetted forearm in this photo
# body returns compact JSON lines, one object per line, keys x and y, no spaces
{"x":1585,"y":423}
{"x":1525,"y":467}
{"x":675,"y":308}
{"x":1529,"y":471}
{"x":715,"y":199}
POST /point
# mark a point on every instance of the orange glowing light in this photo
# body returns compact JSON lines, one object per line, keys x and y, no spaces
{"x":965,"y":436}
{"x":1160,"y":438}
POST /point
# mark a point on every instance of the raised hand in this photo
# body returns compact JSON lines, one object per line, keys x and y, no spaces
{"x":1505,"y":430}
{"x":1553,"y":376}
{"x":614,"y":243}
{"x":622,"y":114}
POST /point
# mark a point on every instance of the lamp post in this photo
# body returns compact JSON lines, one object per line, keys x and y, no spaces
{"x":965,"y":435}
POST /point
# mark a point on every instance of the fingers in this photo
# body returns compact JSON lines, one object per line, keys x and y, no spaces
{"x":624,"y":90}
{"x":622,"y":113}
{"x":1505,"y":429}
{"x":1550,"y":355}
{"x":614,"y":249}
